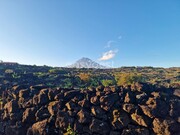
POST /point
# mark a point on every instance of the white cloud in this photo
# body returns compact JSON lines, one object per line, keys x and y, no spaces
{"x":108,"y":55}
{"x":109,"y":43}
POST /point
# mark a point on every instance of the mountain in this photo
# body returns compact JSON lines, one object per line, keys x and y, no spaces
{"x":86,"y":63}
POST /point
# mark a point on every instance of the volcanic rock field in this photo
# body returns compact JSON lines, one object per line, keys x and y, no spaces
{"x":135,"y":109}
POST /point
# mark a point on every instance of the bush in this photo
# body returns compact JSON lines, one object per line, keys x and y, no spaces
{"x":57,"y":71}
{"x":70,"y":131}
{"x":9,"y":71}
{"x":107,"y":82}
{"x":129,"y":78}
{"x":84,"y":77}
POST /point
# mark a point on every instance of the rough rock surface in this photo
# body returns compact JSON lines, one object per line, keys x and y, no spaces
{"x":133,"y":110}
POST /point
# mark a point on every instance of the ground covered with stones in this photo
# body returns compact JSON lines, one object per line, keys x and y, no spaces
{"x":137,"y":109}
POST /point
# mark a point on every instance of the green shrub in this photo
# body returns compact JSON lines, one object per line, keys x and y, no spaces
{"x":70,"y":131}
{"x":129,"y":78}
{"x":107,"y":82}
{"x":57,"y":71}
{"x":15,"y":75}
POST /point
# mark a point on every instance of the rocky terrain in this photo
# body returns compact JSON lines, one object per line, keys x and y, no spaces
{"x":33,"y":102}
{"x":137,"y":109}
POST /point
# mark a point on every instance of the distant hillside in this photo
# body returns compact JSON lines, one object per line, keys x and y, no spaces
{"x":86,"y":63}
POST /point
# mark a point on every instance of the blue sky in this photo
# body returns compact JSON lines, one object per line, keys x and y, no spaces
{"x":122,"y":32}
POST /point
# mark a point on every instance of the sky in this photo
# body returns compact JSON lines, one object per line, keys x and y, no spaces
{"x":111,"y":32}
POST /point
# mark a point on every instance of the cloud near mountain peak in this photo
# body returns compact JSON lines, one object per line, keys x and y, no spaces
{"x":108,"y":55}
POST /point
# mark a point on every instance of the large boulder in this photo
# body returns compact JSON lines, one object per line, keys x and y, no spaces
{"x":99,"y":127}
{"x":17,"y":88}
{"x":107,"y":90}
{"x":100,"y":88}
{"x":129,"y":108}
{"x":84,"y":103}
{"x":147,"y":110}
{"x":174,"y":108}
{"x":99,"y":93}
{"x":166,"y":127}
{"x":28,"y":103}
{"x":78,"y":127}
{"x":156,"y":108}
{"x":39,"y":128}
{"x":58,"y":97}
{"x":176,"y":92}
{"x":108,"y":101}
{"x":29,"y":115}
{"x":42,"y":113}
{"x":25,"y":102}
{"x":114,"y":133}
{"x":63,"y":120}
{"x":141,"y":98}
{"x":95,"y":100}
{"x":120,"y":120}
{"x":2,"y":127}
{"x":141,"y":120}
{"x":52,"y":93}
{"x":15,"y":116}
{"x":43,"y":97}
{"x":98,"y":112}
{"x":135,"y":130}
{"x":14,"y":129}
{"x":53,"y":107}
{"x":71,"y":105}
{"x":129,"y":98}
{"x":11,"y":106}
{"x":83,"y":117}
{"x":142,"y":87}
{"x":71,"y":94}
{"x":24,"y":93}
{"x":35,"y":100}
{"x":38,"y":87}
